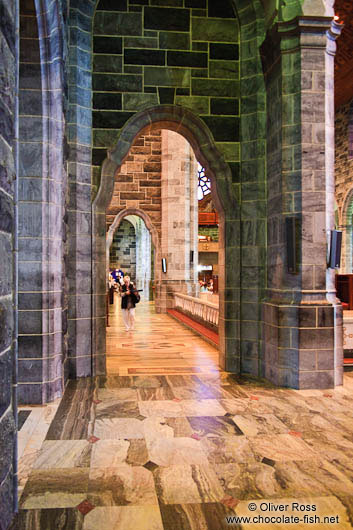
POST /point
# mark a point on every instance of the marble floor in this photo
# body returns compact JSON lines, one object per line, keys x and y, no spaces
{"x":167,"y":441}
{"x":157,"y":345}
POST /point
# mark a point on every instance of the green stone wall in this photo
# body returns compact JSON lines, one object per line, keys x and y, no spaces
{"x":150,"y":52}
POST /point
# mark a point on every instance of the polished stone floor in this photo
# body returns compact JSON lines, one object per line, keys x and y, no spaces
{"x":156,"y":346}
{"x":166,"y":441}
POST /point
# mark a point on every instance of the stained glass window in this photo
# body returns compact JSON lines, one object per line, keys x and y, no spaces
{"x":204,"y":183}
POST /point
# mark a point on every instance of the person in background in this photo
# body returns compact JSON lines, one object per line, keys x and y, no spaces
{"x":119,"y":276}
{"x":111,"y":284}
{"x":203,"y":287}
{"x":128,"y":303}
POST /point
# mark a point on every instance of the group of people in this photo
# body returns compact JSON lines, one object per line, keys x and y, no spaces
{"x":118,"y":281}
{"x":206,"y":287}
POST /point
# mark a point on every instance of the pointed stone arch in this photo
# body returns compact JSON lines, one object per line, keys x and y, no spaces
{"x":195,"y":131}
{"x":150,"y":227}
{"x":346,"y":226}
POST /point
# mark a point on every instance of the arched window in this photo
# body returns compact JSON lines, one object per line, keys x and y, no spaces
{"x":204,"y":183}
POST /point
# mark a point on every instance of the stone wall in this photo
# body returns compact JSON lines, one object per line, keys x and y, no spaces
{"x":343,"y":176}
{"x":218,"y":72}
{"x":138,"y":183}
{"x":302,"y":349}
{"x":145,"y":55}
{"x":123,"y":249}
{"x":144,"y":259}
{"x":8,"y":405}
{"x":179,"y":216}
{"x":42,"y":274}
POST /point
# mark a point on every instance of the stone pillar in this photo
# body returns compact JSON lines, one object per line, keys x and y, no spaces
{"x":179,"y":205}
{"x":42,"y":183}
{"x":302,"y":317}
{"x":143,"y":258}
{"x":8,"y":404}
{"x":79,"y":257}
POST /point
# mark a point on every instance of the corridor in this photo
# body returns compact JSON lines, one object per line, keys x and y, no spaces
{"x":157,"y":345}
{"x":166,"y":441}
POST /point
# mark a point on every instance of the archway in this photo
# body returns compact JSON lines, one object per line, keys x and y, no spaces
{"x":194,"y":130}
{"x":137,"y":213}
{"x":347,"y":228}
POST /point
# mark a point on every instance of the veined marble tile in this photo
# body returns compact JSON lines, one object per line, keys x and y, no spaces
{"x":248,"y":480}
{"x":234,"y":391}
{"x":118,"y":428}
{"x":210,"y":515}
{"x":55,"y":488}
{"x":212,"y":426}
{"x":73,"y":419}
{"x":156,"y":427}
{"x":309,"y":392}
{"x":115,"y":381}
{"x":124,"y":518}
{"x":58,"y":519}
{"x":155,"y":394}
{"x":151,"y":381}
{"x":137,"y":454}
{"x":202,"y":407}
{"x":325,"y":506}
{"x":60,"y":454}
{"x":341,"y":421}
{"x":308,"y":476}
{"x":248,"y":406}
{"x":331,"y":445}
{"x":282,"y":405}
{"x":113,"y":453}
{"x":33,"y":427}
{"x":114,"y":408}
{"x":109,"y":453}
{"x":50,"y":411}
{"x":197,"y":392}
{"x":25,"y":466}
{"x":181,"y":427}
{"x":176,"y":451}
{"x":120,"y":486}
{"x":183,"y":380}
{"x":118,"y":394}
{"x":187,"y":484}
{"x":281,"y":447}
{"x":306,"y":422}
{"x":161,"y":408}
{"x":254,"y":425}
{"x":228,"y":449}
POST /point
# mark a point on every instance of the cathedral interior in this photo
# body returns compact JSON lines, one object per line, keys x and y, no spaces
{"x":203,"y":148}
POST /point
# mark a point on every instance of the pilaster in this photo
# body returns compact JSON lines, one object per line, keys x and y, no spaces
{"x":302,"y":317}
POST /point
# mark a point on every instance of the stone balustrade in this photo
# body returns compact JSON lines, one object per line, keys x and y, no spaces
{"x":201,"y":310}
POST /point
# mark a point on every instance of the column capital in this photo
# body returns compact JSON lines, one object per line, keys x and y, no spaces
{"x":304,"y":32}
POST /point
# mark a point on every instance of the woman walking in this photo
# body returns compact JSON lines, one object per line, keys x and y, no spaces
{"x":129,"y":297}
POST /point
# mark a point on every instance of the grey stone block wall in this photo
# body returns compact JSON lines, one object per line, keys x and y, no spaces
{"x":8,"y":405}
{"x":123,"y":249}
{"x":79,"y":134}
{"x":42,"y":196}
{"x":149,"y":54}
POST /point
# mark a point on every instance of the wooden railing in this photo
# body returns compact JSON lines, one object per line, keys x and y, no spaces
{"x":208,"y":218}
{"x":201,"y":310}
